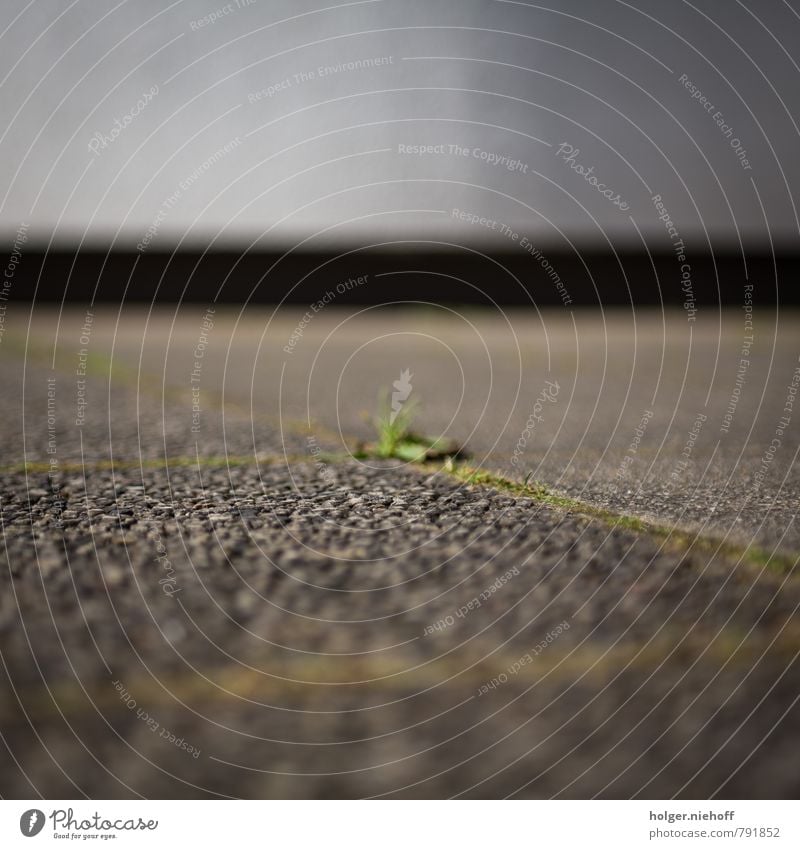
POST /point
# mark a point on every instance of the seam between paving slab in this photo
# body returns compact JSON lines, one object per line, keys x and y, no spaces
{"x":251,"y":685}
{"x":675,"y":538}
{"x":779,"y":562}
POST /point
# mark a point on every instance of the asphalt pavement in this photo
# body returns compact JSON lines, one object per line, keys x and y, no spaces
{"x":207,"y":592}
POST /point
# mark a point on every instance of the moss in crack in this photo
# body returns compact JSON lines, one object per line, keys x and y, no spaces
{"x":396,"y":440}
{"x":778,"y":562}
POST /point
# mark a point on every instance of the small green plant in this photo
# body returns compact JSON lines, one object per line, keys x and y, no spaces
{"x":396,"y":439}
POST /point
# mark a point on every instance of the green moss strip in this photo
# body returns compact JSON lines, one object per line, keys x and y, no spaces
{"x":781,"y":563}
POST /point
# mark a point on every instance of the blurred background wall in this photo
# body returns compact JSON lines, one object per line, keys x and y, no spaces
{"x":273,"y":122}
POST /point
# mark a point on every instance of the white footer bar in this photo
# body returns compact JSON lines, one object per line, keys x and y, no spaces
{"x":401,"y":824}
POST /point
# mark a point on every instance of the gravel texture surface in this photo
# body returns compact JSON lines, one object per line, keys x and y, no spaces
{"x":378,"y":631}
{"x":706,"y":457}
{"x":221,"y":611}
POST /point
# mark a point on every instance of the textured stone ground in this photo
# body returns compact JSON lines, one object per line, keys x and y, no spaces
{"x":215,"y":612}
{"x":478,"y":375}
